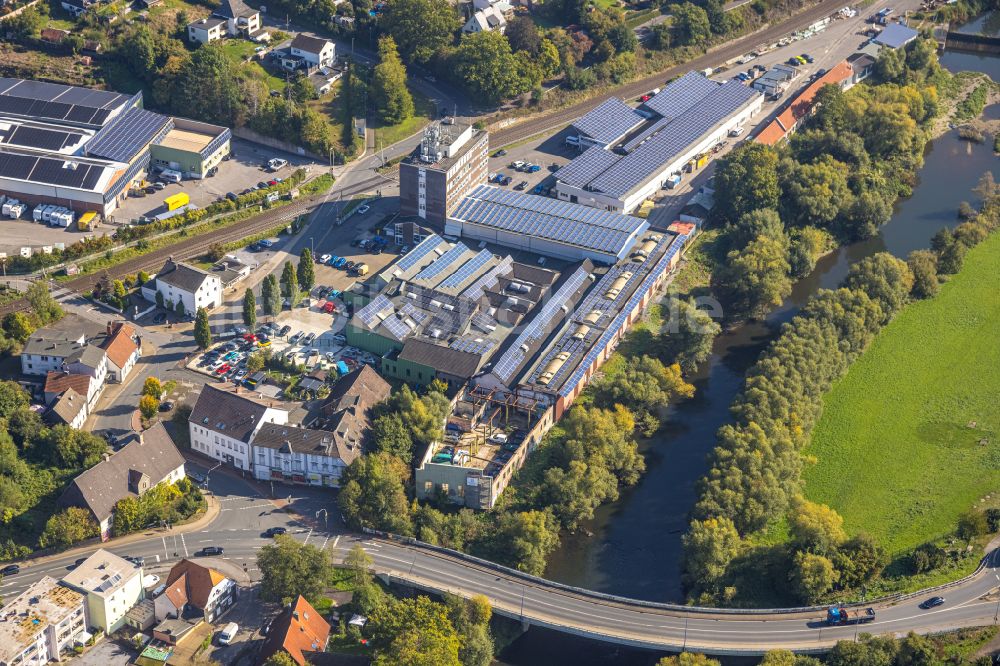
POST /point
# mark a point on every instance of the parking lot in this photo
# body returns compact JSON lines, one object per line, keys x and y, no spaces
{"x":15,"y":234}
{"x":245,"y":169}
{"x":549,"y":154}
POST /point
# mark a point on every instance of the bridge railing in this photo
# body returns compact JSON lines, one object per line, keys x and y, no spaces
{"x":602,"y":596}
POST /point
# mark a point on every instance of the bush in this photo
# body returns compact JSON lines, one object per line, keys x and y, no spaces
{"x":927,"y":557}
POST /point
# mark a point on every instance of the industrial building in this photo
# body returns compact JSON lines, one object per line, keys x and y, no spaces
{"x":83,"y":149}
{"x":626,"y":161}
{"x":800,"y":107}
{"x":450,"y":161}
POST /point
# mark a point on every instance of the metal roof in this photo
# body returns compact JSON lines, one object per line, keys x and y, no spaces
{"x":554,"y":220}
{"x":682,"y":94}
{"x":896,"y":35}
{"x":609,"y":120}
{"x":660,"y":150}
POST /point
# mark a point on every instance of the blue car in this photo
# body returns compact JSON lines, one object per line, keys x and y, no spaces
{"x":534,"y":168}
{"x":340,"y":262}
{"x":332,"y":260}
{"x":265,"y":243}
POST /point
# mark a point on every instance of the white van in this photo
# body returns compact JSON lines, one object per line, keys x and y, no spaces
{"x":736,"y":131}
{"x":171,"y":176}
{"x":228,"y":633}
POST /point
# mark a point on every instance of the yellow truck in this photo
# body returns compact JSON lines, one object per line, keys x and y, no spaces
{"x":175,"y":201}
{"x":645,"y":209}
{"x":87,"y":220}
{"x":361,"y":270}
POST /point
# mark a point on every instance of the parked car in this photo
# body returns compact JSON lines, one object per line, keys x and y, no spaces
{"x":295,"y":338}
{"x":498,"y":438}
{"x":340,"y":263}
{"x":522,"y":185}
{"x":309,"y":339}
{"x":166,"y":406}
{"x":339,"y":338}
{"x":136,"y":560}
{"x":231,"y":196}
{"x":285,"y":330}
{"x":228,"y":632}
{"x":325,"y":258}
{"x":500,"y":153}
{"x":363,"y":209}
{"x":223,"y":369}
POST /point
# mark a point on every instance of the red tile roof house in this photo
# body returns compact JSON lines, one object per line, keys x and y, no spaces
{"x":123,"y":347}
{"x":194,"y":591}
{"x":298,"y":631}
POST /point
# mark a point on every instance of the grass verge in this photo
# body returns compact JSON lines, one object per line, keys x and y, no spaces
{"x":898,"y":454}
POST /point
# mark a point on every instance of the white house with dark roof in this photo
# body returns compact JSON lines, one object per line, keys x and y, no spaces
{"x":485,"y":20}
{"x":315,"y":52}
{"x":207,"y":30}
{"x":183,"y":283}
{"x":241,"y":20}
{"x":287,"y":453}
{"x":70,"y":408}
{"x":224,"y":422}
{"x":131,"y":472}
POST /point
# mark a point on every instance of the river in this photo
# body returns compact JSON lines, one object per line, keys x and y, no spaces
{"x":635,"y":549}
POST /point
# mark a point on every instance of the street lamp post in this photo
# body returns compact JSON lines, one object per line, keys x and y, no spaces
{"x":325,"y":517}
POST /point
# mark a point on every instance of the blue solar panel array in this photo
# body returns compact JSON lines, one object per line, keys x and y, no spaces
{"x":555,"y":220}
{"x":396,"y":327}
{"x":472,"y":345}
{"x":515,"y":354}
{"x":634,"y":142}
{"x":645,"y":161}
{"x":467,"y":270}
{"x":488,"y":279}
{"x":127,"y":135}
{"x":484,"y":322}
{"x":413,"y":312}
{"x":442,"y":263}
{"x":680,"y":95}
{"x":419,"y":252}
{"x":587,"y":166}
{"x":608,"y":121}
{"x":369,"y":313}
{"x":612,"y":329}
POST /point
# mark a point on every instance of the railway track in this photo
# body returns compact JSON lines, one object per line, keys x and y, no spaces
{"x":195,"y":245}
{"x":565,"y":116}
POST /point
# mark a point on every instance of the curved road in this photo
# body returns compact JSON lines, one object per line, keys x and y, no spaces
{"x":245,"y":513}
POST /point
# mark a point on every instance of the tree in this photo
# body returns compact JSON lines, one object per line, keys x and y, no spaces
{"x":487,"y":68}
{"x":129,"y":516}
{"x":152,"y":387}
{"x":573,"y":493}
{"x":756,"y":278}
{"x":972,"y":524}
{"x":179,"y":308}
{"x":691,"y":24}
{"x":290,"y":283}
{"x":886,"y":279}
{"x":420,"y":27}
{"x":814,"y":193}
{"x":869,"y":211}
{"x":414,"y":631}
{"x":207,"y":87}
{"x":372,"y":494}
{"x":808,"y":244}
{"x":280,"y":658}
{"x":255,"y":362}
{"x":524,"y":540}
{"x":249,"y":309}
{"x":271,"y":295}
{"x":141,"y":278}
{"x":18,"y":326}
{"x":44,"y":307}
{"x":688,"y":335}
{"x":688,"y":659}
{"x":709,"y":546}
{"x":13,"y":398}
{"x":148,"y":406}
{"x":202,"y":331}
{"x":951,"y":257}
{"x":359,"y":562}
{"x":753,"y":225}
{"x":927,"y":556}
{"x":29,"y":22}
{"x":68,"y":527}
{"x":216,"y":251}
{"x":812,"y":576}
{"x":923,"y":265}
{"x":815,"y":527}
{"x":746,"y":180}
{"x":645,"y":385}
{"x":392,"y":99}
{"x":306,"y":271}
{"x":390,"y":435}
{"x":289,"y":569}
{"x":159,"y":300}
{"x":70,"y":448}
{"x":522,"y":33}
{"x":859,"y":560}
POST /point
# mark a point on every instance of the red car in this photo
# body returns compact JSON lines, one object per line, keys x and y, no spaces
{"x":223,"y":369}
{"x":328,"y":307}
{"x":250,"y":337}
{"x":645,"y":98}
{"x":272,"y":183}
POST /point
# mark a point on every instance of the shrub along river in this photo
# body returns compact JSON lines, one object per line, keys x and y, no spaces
{"x":635,"y":547}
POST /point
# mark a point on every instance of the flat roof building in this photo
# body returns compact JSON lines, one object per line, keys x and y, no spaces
{"x":41,"y":623}
{"x":450,"y":161}
{"x":689,"y":116}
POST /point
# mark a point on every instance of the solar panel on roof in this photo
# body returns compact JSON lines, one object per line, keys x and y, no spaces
{"x":442,"y":263}
{"x":467,"y":270}
{"x":396,"y":327}
{"x":682,"y":94}
{"x":608,"y":121}
{"x":368,"y":314}
{"x":419,"y":252}
{"x":488,"y":279}
{"x":127,"y":135}
{"x":587,"y":166}
{"x":413,"y":312}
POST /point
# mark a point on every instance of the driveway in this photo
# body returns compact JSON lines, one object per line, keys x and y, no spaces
{"x":107,"y":653}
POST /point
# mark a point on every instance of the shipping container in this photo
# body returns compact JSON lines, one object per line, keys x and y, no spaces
{"x":175,"y":201}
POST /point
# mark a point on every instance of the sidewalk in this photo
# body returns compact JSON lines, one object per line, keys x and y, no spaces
{"x":206,"y":519}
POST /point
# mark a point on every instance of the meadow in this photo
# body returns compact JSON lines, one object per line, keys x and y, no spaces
{"x":910,"y":437}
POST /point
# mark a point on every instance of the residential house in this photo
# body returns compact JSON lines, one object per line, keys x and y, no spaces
{"x":241,"y":20}
{"x":298,"y":631}
{"x":41,"y":623}
{"x":292,"y":454}
{"x":183,"y":283}
{"x":69,"y":408}
{"x":130,"y":472}
{"x":195,"y":591}
{"x":207,"y":30}
{"x":123,"y":348}
{"x":53,"y":35}
{"x":315,"y":52}
{"x":840,"y":75}
{"x":862,"y":65}
{"x":76,"y":8}
{"x":111,"y":585}
{"x":56,"y":383}
{"x":485,"y":20}
{"x":224,"y":421}
{"x":47,"y":348}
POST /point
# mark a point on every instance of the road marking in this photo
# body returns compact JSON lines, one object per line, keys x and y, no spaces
{"x":335,"y":542}
{"x":166,"y":551}
{"x":323,"y":547}
{"x":184,"y":543}
{"x":307,"y":537}
{"x":157,"y":558}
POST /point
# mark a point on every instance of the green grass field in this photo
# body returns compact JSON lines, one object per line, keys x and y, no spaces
{"x":895,"y":453}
